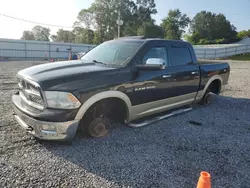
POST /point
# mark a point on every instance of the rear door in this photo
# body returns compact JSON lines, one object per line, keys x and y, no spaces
{"x":183,"y":71}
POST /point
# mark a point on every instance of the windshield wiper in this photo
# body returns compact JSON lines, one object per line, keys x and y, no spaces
{"x":99,"y":62}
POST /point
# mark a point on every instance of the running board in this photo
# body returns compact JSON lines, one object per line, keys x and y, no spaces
{"x":158,"y":118}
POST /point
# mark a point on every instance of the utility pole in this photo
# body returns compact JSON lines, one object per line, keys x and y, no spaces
{"x":119,"y":21}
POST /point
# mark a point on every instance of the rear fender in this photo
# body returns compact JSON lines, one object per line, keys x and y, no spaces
{"x":213,"y":78}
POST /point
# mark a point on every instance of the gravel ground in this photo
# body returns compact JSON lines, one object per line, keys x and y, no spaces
{"x":170,"y":153}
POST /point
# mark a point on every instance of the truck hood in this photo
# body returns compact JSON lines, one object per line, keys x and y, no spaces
{"x":61,"y":69}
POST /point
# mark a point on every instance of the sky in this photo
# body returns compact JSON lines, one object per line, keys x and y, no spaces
{"x":64,"y":12}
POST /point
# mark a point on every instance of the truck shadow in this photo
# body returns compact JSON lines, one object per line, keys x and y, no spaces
{"x":169,"y":153}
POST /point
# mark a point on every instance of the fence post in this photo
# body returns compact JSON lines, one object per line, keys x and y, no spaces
{"x":215,"y":53}
{"x":49,"y":52}
{"x":226,"y":53}
{"x":235,"y":50}
{"x":205,"y":54}
{"x":25,"y":49}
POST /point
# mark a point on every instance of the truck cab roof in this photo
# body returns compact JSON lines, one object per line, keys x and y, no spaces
{"x":144,"y":38}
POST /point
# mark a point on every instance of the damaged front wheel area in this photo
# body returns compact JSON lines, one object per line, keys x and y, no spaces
{"x":95,"y":123}
{"x":98,"y":128}
{"x":102,"y":117}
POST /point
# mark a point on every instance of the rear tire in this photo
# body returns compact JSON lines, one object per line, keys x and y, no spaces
{"x":207,"y":99}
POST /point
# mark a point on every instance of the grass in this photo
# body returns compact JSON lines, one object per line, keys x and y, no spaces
{"x":245,"y":57}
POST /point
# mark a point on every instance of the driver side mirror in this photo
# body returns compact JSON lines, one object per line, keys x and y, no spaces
{"x":152,"y":64}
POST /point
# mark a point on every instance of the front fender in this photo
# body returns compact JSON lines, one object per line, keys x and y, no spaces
{"x":105,"y":95}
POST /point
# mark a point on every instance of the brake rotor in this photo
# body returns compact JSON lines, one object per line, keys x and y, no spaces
{"x":98,"y":128}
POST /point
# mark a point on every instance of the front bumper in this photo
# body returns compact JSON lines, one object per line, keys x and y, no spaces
{"x":45,"y":130}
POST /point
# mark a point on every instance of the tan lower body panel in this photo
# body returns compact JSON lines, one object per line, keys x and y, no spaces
{"x":151,"y":108}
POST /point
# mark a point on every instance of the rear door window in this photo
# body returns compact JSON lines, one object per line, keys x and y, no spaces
{"x":180,"y":55}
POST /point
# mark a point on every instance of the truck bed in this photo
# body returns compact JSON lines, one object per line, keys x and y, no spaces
{"x":211,"y":68}
{"x":207,"y":61}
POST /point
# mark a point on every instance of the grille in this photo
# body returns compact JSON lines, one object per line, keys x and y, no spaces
{"x":30,"y":93}
{"x":33,"y":88}
{"x":36,"y":99}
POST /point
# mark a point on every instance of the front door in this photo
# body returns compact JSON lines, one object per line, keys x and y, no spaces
{"x":150,"y":85}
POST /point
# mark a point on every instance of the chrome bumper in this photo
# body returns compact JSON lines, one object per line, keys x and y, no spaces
{"x":47,"y":130}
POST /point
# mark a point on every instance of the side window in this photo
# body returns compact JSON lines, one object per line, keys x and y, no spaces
{"x":179,"y":56}
{"x":155,"y":52}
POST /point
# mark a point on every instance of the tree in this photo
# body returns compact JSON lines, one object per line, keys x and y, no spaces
{"x":41,"y":33}
{"x":192,"y":38}
{"x":151,"y":30}
{"x":147,"y":5}
{"x":223,"y":28}
{"x":138,"y":18}
{"x":243,"y":34}
{"x":105,"y":15}
{"x":97,"y":38}
{"x":53,"y":38}
{"x":88,"y":35}
{"x":174,"y":24}
{"x":102,"y":16}
{"x":83,"y":35}
{"x":85,"y":18}
{"x":28,"y":35}
{"x":145,"y":8}
{"x":212,"y":27}
{"x":99,"y":22}
{"x":63,"y":36}
{"x":78,"y":32}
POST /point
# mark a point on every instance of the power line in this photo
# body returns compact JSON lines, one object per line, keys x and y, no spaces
{"x":39,"y":23}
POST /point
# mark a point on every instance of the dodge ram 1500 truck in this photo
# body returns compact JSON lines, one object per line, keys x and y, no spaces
{"x":124,"y":79}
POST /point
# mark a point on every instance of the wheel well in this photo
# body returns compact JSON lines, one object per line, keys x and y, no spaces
{"x":113,"y":107}
{"x":215,"y":86}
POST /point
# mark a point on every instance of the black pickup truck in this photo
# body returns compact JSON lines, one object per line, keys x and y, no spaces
{"x":125,"y":79}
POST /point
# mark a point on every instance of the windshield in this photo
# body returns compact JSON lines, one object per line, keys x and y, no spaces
{"x":115,"y":53}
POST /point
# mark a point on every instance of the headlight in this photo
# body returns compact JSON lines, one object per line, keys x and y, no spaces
{"x":62,"y":100}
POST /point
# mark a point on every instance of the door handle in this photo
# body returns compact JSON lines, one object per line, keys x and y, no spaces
{"x":195,"y":72}
{"x":166,"y":76}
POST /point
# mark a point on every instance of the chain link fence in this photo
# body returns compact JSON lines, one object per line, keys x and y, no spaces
{"x":22,"y":49}
{"x":221,"y":52}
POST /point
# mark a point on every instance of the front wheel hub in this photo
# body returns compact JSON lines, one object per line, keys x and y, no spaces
{"x":98,"y":128}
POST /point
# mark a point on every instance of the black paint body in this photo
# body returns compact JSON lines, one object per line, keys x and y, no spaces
{"x":87,"y":79}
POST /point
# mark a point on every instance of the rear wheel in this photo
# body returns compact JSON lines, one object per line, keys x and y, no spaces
{"x":214,"y":88}
{"x":207,"y":99}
